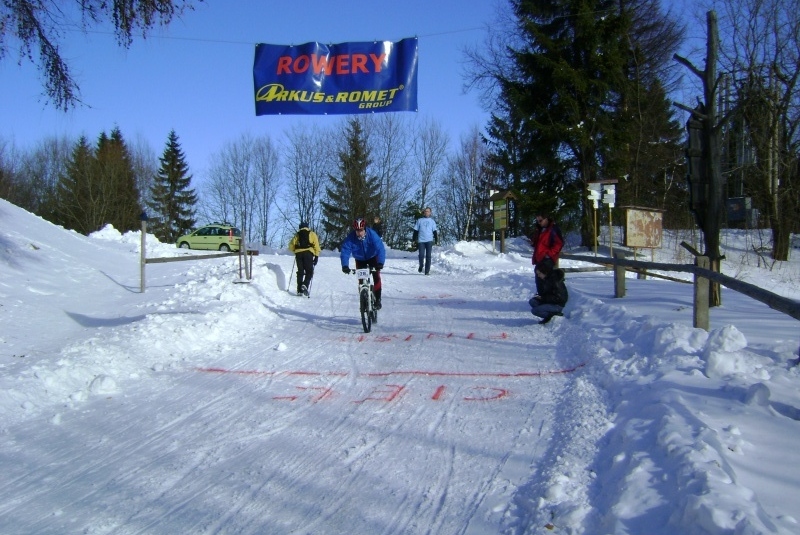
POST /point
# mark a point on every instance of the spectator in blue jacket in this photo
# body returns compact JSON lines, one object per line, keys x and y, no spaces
{"x":425,"y":234}
{"x":367,"y":248}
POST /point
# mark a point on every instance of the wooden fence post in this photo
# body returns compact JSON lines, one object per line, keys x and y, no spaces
{"x":619,"y":275}
{"x":701,"y":289}
{"x":142,"y":253}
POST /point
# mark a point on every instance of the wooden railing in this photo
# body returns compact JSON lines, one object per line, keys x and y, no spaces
{"x":702,"y":276}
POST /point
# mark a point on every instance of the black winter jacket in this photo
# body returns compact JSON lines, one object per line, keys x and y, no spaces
{"x":552,"y":289}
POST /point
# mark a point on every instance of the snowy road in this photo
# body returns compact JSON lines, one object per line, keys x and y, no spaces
{"x":205,"y":406}
{"x":302,"y":423}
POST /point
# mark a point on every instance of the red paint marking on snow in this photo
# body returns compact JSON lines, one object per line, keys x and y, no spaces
{"x":213,"y":370}
{"x":439,"y":335}
{"x":384,"y":395}
{"x":474,"y":374}
{"x":499,"y":393}
{"x":303,"y":372}
{"x":323,"y":393}
{"x":389,"y":338}
{"x":422,"y":373}
{"x":438,"y":394}
{"x":235,"y":372}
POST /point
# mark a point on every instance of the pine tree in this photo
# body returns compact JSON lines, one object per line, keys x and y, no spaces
{"x":561,"y":96}
{"x":352,"y":193}
{"x":99,"y":187}
{"x":574,"y":98}
{"x":116,"y":168}
{"x":173,"y":203}
{"x":645,"y":149}
{"x":78,"y":192}
{"x":654,"y":174}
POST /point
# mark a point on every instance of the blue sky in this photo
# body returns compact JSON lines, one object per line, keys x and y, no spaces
{"x":195,"y":76}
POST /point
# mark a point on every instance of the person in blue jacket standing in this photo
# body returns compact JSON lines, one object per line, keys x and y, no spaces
{"x":425,"y":234}
{"x":367,"y":248}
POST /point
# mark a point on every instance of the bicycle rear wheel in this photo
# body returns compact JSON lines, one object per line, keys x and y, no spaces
{"x":366,"y":316}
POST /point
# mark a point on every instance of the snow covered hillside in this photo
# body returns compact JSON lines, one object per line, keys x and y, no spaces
{"x":207,"y":406}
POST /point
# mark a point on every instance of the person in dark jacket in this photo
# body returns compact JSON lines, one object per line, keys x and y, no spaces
{"x":367,"y":248}
{"x":305,"y":246}
{"x":552,"y":294}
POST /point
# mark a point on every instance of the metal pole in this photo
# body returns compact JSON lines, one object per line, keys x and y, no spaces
{"x":142,"y":256}
{"x":610,"y":233}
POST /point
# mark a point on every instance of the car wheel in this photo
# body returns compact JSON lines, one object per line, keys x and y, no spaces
{"x":224,"y":247}
{"x":185,"y":245}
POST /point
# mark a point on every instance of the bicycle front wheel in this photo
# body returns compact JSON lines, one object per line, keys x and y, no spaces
{"x":366,"y":316}
{"x":374,"y":310}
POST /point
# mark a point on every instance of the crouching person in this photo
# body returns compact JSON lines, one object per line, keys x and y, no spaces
{"x":553,"y":294}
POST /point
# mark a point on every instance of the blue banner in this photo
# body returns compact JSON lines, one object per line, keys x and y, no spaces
{"x":315,"y":79}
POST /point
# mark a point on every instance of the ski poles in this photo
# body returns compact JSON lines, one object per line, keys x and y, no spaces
{"x":291,"y":274}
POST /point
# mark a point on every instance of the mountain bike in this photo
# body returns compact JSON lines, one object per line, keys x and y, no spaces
{"x":366,"y":298}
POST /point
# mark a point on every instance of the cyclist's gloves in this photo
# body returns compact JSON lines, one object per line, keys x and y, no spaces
{"x":315,"y":260}
{"x":346,"y":269}
{"x":379,"y":266}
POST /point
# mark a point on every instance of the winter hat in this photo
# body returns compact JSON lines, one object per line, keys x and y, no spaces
{"x":303,"y":224}
{"x":545,"y":266}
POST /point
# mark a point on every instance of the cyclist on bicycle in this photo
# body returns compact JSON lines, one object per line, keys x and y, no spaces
{"x":367,"y":248}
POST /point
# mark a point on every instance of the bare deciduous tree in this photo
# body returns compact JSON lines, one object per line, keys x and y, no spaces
{"x":145,"y":166}
{"x":307,"y":173}
{"x":466,"y":173}
{"x":760,"y":49}
{"x":38,"y":27}
{"x":430,"y":154}
{"x":10,"y":162}
{"x":242,"y":184}
{"x":388,"y":137}
{"x":267,"y":182}
{"x":41,"y":171}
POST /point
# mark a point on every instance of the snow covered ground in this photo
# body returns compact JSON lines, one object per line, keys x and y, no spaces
{"x":206,"y":406}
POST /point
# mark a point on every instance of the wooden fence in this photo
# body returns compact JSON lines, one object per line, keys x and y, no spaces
{"x":143,"y":260}
{"x":702,"y":278}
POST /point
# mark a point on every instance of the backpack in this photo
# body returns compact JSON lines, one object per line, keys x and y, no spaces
{"x":303,"y":242}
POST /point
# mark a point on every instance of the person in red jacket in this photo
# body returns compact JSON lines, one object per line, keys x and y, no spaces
{"x":546,"y":240}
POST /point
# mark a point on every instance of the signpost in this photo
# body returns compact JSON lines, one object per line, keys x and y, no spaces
{"x":500,"y":201}
{"x":604,"y":190}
